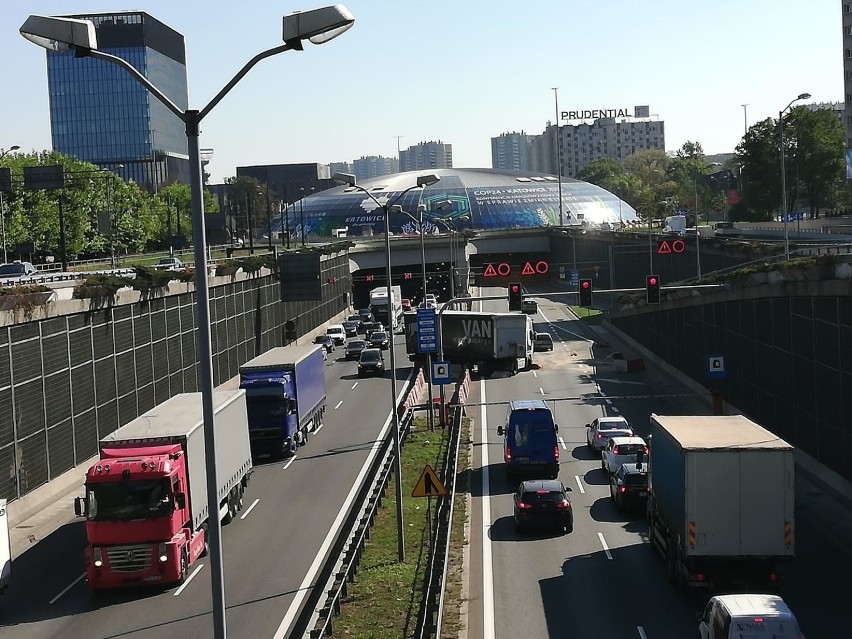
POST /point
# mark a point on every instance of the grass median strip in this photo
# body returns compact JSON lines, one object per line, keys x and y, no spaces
{"x":384,"y":599}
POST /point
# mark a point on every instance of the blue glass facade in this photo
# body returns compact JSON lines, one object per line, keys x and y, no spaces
{"x":100,"y":114}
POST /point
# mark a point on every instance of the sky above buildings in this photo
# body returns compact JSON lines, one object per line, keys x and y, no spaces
{"x":461,"y":71}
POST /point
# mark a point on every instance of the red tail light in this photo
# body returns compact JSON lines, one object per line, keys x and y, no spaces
{"x":564,"y":504}
{"x":772,"y":576}
{"x":699,"y":577}
{"x":524,"y":506}
{"x":598,"y":436}
{"x":556,"y":452}
{"x":508,"y":454}
{"x":622,"y":489}
{"x":615,"y":451}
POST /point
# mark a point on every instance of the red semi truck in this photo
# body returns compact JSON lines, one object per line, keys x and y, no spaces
{"x":146,"y":497}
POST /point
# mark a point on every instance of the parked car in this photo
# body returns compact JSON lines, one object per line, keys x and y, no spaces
{"x":620,"y":450}
{"x":170,"y":264}
{"x":351,"y":328}
{"x":326,"y":341}
{"x":599,"y":432}
{"x":16,"y":270}
{"x":628,"y":486}
{"x":371,"y":362}
{"x":543,"y":342}
{"x":543,"y":503}
{"x":354,"y":347}
{"x":372,"y":327}
{"x":337,"y":333}
{"x":379,"y":339}
{"x":530,"y":307}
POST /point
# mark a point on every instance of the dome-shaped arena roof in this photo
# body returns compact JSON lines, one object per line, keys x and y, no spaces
{"x":487,"y":199}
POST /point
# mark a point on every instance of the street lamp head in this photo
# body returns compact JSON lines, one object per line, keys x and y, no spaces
{"x":804,"y":96}
{"x":426,"y":180}
{"x":60,"y":34}
{"x":14,"y":147}
{"x":345,"y":178}
{"x":317,"y":25}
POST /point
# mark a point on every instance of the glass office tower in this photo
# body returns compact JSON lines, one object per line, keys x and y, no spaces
{"x":100,"y":114}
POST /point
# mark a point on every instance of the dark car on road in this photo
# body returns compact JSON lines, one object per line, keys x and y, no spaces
{"x":628,"y":486}
{"x":326,"y":341}
{"x":530,"y":307}
{"x":355,"y":318}
{"x":372,"y":327}
{"x":543,"y":503}
{"x":379,"y":339}
{"x":371,"y":362}
{"x":354,"y":347}
{"x":351,"y":328}
{"x":366,"y":315}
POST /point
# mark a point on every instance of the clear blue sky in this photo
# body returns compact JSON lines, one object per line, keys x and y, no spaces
{"x":462,"y":71}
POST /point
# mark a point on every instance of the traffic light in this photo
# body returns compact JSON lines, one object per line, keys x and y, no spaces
{"x":515,"y":297}
{"x":652,"y":289}
{"x":585,"y":293}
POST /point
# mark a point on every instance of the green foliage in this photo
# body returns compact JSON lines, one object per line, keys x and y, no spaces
{"x":23,"y":289}
{"x":101,"y":286}
{"x":149,"y":278}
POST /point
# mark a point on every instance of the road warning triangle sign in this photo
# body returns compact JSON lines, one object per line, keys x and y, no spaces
{"x":664,"y":248}
{"x":429,"y":485}
{"x":528,"y":269}
{"x":490,"y":271}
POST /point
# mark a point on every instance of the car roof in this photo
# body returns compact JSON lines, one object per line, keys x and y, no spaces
{"x":541,"y":484}
{"x":528,"y":404}
{"x":755,"y":604}
{"x":613,"y":421}
{"x":547,"y":335}
{"x":619,"y":441}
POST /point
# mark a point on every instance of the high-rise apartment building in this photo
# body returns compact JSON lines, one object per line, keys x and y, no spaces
{"x":847,"y":82}
{"x":100,"y":114}
{"x":426,"y":155}
{"x":512,"y":151}
{"x":373,"y":166}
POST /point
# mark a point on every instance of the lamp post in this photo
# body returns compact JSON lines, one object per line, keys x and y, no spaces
{"x":14,"y":147}
{"x":302,"y":212}
{"x":64,"y":34}
{"x":801,"y":96}
{"x":558,"y":153}
{"x":422,"y":182}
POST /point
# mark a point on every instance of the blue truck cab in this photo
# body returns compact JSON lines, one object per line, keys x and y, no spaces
{"x":285,"y":398}
{"x":530,"y":443}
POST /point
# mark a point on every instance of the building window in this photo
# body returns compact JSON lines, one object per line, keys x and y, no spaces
{"x":847,"y":30}
{"x":846,"y":7}
{"x":848,"y":54}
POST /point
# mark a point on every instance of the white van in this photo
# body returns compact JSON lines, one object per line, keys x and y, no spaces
{"x":748,"y":617}
{"x":337,"y":333}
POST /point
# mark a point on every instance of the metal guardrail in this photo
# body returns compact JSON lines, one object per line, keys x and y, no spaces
{"x":345,"y":557}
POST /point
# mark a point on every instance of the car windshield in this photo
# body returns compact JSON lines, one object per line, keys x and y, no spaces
{"x":629,"y":449}
{"x":124,"y":500}
{"x":636,"y":479}
{"x":370,"y":356}
{"x":12,"y":269}
{"x":334,"y":329}
{"x":321,"y":339}
{"x":543,"y":496}
{"x":611,"y":426}
{"x":378,"y":336}
{"x":356,"y":344}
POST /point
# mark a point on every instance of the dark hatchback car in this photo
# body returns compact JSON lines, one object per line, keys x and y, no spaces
{"x":366,"y":315}
{"x":379,"y":339}
{"x":354,"y":347}
{"x":326,"y":341}
{"x":628,"y":487}
{"x":372,"y":327}
{"x":543,"y":503}
{"x":351,"y":328}
{"x":371,"y":362}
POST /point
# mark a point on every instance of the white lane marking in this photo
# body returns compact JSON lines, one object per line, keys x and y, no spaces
{"x":487,"y":567}
{"x":535,"y":374}
{"x":306,"y":586}
{"x":188,"y":579}
{"x":249,"y":509}
{"x":580,"y":485}
{"x":319,"y":429}
{"x":541,"y":390}
{"x":614,"y":409}
{"x":354,"y":385}
{"x":289,"y":461}
{"x":605,"y":547}
{"x":608,"y":401}
{"x":67,"y":588}
{"x":642,"y":634}
{"x":562,"y":441}
{"x":338,"y":404}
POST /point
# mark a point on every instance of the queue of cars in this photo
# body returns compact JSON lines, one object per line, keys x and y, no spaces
{"x":367,"y":351}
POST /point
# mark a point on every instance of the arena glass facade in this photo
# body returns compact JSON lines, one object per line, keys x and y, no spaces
{"x":481,"y":198}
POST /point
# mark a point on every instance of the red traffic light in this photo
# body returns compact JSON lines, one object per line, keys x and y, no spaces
{"x":515,"y":288}
{"x":585,"y":284}
{"x":652,"y":281}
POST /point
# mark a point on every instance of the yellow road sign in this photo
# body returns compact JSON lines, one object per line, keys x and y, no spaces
{"x":429,"y":485}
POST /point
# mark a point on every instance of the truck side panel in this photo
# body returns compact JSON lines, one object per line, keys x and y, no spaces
{"x":196,"y":471}
{"x":667,"y":466}
{"x":310,"y":383}
{"x":512,"y":335}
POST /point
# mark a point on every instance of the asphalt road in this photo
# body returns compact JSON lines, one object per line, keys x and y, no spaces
{"x":271,"y":551}
{"x":605,"y":579}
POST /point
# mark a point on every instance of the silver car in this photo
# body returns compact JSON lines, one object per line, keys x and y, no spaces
{"x":601,"y":430}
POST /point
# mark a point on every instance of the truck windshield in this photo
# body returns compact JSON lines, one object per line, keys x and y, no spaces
{"x":123,"y":500}
{"x":263,"y":405}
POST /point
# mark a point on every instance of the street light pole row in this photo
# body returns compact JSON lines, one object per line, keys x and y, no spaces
{"x":64,"y":34}
{"x":801,"y":96}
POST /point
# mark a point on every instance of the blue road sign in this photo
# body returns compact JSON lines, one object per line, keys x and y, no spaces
{"x":441,"y":373}
{"x":575,"y":278}
{"x":427,"y":330}
{"x":716,"y":367}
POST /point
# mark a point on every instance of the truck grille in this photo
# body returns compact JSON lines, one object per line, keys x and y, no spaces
{"x":130,"y":558}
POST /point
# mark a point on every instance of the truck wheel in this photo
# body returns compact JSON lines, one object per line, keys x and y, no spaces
{"x":184,"y":566}
{"x":240,"y":493}
{"x":514,"y":367}
{"x":229,"y":515}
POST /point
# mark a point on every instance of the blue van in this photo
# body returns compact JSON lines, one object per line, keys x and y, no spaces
{"x":530,"y":444}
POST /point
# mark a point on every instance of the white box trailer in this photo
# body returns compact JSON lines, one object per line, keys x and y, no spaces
{"x":721,"y":499}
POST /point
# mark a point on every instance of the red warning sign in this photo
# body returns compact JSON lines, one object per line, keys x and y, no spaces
{"x":490,"y":271}
{"x":677,"y":246}
{"x":664,"y":248}
{"x":528,"y":269}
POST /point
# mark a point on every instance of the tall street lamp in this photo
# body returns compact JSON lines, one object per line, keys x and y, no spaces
{"x":422,"y":182}
{"x":3,"y":154}
{"x":801,"y":96}
{"x":558,"y":153}
{"x":63,"y":34}
{"x":302,"y":212}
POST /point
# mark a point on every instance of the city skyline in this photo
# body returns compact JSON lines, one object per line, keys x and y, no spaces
{"x":309,"y":107}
